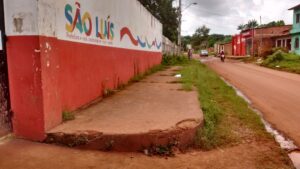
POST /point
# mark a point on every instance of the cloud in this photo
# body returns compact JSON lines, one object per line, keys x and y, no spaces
{"x":258,"y":2}
{"x":223,"y":16}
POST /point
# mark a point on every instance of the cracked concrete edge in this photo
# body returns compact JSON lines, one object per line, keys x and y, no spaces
{"x":184,"y":133}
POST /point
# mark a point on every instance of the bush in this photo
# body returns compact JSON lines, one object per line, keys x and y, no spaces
{"x":285,"y":50}
{"x":274,"y":50}
{"x":278,"y":56}
{"x":169,"y":60}
{"x":283,"y":61}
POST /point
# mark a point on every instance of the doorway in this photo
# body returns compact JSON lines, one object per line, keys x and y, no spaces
{"x":248,"y":46}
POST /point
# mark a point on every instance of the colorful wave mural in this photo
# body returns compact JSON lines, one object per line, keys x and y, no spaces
{"x":138,"y":41}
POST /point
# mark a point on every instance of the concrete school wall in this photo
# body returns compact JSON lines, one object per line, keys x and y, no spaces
{"x":168,"y":47}
{"x":64,"y":54}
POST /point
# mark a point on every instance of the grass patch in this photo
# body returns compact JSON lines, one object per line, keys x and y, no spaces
{"x":167,"y":60}
{"x":154,"y":69}
{"x":67,"y":116}
{"x":283,"y":61}
{"x":228,"y":119}
{"x":171,"y":60}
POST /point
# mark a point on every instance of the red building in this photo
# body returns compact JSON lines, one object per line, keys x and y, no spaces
{"x":240,"y":43}
{"x":260,"y":41}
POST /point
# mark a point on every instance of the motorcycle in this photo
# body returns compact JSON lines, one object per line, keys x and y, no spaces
{"x":222,"y":56}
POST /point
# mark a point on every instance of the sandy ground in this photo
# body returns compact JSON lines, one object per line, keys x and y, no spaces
{"x":19,"y":154}
{"x":276,"y":94}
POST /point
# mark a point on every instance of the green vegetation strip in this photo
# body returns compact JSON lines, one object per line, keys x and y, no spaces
{"x":283,"y":61}
{"x":228,"y":118}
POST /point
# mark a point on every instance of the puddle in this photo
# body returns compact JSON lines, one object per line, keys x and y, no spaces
{"x":284,"y":143}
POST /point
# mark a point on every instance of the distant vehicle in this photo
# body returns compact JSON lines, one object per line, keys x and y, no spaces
{"x":203,"y":53}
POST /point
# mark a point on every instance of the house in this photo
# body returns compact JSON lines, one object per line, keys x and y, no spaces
{"x":267,"y":38}
{"x":239,"y":43}
{"x":226,"y":47}
{"x":283,"y":41}
{"x":295,"y":32}
{"x":260,"y":41}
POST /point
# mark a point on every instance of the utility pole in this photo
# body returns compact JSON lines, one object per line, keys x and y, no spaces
{"x":261,"y":36}
{"x":252,"y":39}
{"x":179,"y":26}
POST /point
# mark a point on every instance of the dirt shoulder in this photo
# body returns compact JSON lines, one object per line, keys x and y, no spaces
{"x":19,"y":154}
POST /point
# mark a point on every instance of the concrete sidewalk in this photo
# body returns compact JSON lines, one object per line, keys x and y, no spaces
{"x":20,"y":154}
{"x":154,"y":111}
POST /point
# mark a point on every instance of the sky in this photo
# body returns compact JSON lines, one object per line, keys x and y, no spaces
{"x":224,"y":16}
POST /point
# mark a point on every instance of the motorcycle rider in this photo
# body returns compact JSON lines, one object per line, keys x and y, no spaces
{"x":222,"y":56}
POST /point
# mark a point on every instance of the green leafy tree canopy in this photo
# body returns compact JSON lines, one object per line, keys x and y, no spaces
{"x":168,"y":15}
{"x":253,"y":24}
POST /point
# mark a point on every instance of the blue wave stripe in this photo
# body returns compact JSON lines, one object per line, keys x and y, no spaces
{"x":143,"y":44}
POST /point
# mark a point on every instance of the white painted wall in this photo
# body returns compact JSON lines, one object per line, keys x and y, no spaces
{"x":169,"y":47}
{"x":20,"y":17}
{"x":47,"y":18}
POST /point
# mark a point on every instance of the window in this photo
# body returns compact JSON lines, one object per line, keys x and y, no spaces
{"x":278,"y":43}
{"x":297,"y":43}
{"x":298,"y":18}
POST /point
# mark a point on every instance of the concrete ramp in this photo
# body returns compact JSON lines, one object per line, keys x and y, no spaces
{"x":153,"y":112}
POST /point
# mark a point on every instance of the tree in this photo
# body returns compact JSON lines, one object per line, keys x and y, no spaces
{"x":241,"y":27}
{"x":252,"y":24}
{"x":202,"y":31}
{"x":280,"y":23}
{"x":228,"y":38}
{"x":168,"y":15}
{"x":186,"y":40}
{"x":202,"y":40}
{"x":273,"y":23}
{"x":200,"y":37}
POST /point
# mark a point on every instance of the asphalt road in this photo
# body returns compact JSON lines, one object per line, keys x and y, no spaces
{"x":276,"y":94}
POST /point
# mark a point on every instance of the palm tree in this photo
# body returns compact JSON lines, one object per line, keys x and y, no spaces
{"x":252,"y":24}
{"x":241,"y":27}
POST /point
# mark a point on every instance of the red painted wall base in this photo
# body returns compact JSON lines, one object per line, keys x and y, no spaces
{"x":48,"y":76}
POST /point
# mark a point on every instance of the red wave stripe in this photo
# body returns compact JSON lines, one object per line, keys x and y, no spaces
{"x":126,"y":31}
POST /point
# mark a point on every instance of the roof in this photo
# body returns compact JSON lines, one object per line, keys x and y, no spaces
{"x":295,"y":7}
{"x":269,"y":27}
{"x":288,"y":26}
{"x":271,"y":36}
{"x":224,"y":43}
